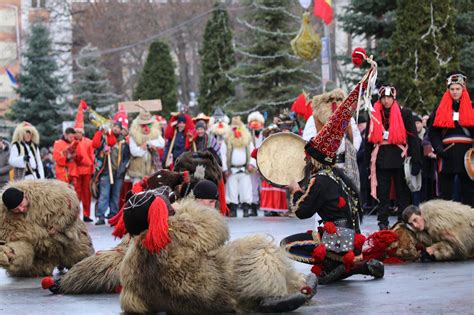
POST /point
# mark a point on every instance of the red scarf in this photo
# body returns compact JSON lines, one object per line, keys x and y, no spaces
{"x":397,"y":132}
{"x":444,"y":113}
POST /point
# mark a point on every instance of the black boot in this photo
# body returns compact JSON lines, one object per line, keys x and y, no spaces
{"x":372,"y":268}
{"x":282,"y":304}
{"x":335,"y":274}
{"x":253,"y":210}
{"x":232,"y":210}
{"x":245,"y":208}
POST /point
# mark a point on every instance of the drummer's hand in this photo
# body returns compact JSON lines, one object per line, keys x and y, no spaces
{"x":294,"y":187}
{"x":250,"y":168}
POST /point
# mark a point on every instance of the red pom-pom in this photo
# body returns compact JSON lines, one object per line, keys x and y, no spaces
{"x":118,"y":289}
{"x":341,"y":203}
{"x":330,"y":227}
{"x":47,"y":282}
{"x":319,"y":253}
{"x":316,"y":270}
{"x":348,"y":260}
{"x":359,"y":241}
{"x":358,"y":56}
{"x":310,"y":232}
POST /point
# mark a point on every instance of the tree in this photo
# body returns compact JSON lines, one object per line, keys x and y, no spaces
{"x":217,"y":57}
{"x":423,"y":50}
{"x":39,"y":87}
{"x":374,"y":20}
{"x":465,"y":31}
{"x":157,"y":79}
{"x":92,"y":84}
{"x":270,"y":75}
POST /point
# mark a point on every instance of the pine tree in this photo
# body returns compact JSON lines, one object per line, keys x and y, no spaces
{"x":158,"y":80}
{"x":423,"y":50}
{"x":374,"y":21}
{"x":217,"y":57}
{"x":270,"y":74}
{"x":465,"y":31}
{"x":91,"y":83}
{"x":39,"y":88}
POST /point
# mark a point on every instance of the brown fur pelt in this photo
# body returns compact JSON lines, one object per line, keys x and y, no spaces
{"x":242,"y":141}
{"x":449,"y":229}
{"x":322,"y":104}
{"x":50,"y":234}
{"x":220,"y":128}
{"x":20,"y":131}
{"x":406,"y":243}
{"x":188,"y":161}
{"x":141,"y":138}
{"x":197,"y":272}
{"x":99,"y":273}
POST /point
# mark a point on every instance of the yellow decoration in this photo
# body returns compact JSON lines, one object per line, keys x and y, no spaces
{"x":307,"y":44}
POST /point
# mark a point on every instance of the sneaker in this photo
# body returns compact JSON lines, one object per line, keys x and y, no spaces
{"x":100,"y":222}
{"x":376,"y":268}
{"x":87,"y":219}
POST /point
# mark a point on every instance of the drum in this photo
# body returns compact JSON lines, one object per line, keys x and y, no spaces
{"x":469,"y":163}
{"x":281,"y":159}
{"x":413,"y":182}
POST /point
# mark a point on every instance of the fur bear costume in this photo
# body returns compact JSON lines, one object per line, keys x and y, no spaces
{"x":183,"y":264}
{"x":50,"y":234}
{"x":449,"y":229}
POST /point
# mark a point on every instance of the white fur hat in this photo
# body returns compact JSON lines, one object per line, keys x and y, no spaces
{"x":256,"y":116}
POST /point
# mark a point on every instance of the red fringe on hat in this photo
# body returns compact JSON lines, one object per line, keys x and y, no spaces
{"x":444,"y":113}
{"x":348,"y":260}
{"x":119,"y":230}
{"x":330,"y":227}
{"x":359,"y":241}
{"x":157,"y":236}
{"x":222,"y":202}
{"x":378,"y":243}
{"x":397,"y":132}
{"x":319,"y":253}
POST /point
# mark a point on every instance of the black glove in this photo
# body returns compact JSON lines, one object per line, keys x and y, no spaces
{"x":415,"y":169}
{"x":425,"y":257}
{"x":26,"y":158}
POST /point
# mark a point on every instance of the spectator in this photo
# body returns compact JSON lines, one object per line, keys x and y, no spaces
{"x":5,"y":167}
{"x":24,"y":153}
{"x":48,"y":163}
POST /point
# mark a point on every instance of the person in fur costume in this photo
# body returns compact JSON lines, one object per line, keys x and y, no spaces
{"x":445,"y":228}
{"x":180,"y":262}
{"x":145,"y":141}
{"x":239,"y":167}
{"x":41,"y":228}
{"x":25,"y":157}
{"x":219,"y":127}
{"x":255,"y":122}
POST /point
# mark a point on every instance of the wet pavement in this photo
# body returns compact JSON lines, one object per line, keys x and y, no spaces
{"x":416,"y":288}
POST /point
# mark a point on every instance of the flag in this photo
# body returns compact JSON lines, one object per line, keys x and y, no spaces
{"x":13,"y":81}
{"x":323,"y":9}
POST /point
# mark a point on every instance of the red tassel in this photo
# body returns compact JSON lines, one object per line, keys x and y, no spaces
{"x":378,"y":244}
{"x":116,"y":218}
{"x":119,"y":230}
{"x":47,"y":282}
{"x":330,"y":227}
{"x":359,"y":241}
{"x":444,"y":113}
{"x":222,"y":202}
{"x":319,"y":253}
{"x":254,"y":153}
{"x":341,"y":203}
{"x":139,"y":186}
{"x":157,"y":236}
{"x":316,"y":270}
{"x":186,"y":177}
{"x":348,"y":260}
{"x":358,"y":56}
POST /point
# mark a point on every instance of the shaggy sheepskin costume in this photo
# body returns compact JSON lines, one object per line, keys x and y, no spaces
{"x":195,"y":271}
{"x":449,"y":229}
{"x":50,"y":234}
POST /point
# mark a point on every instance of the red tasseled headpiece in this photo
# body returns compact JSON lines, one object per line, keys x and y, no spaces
{"x":378,"y":244}
{"x":119,"y":230}
{"x":341,"y":202}
{"x":316,"y":270}
{"x":157,"y":236}
{"x":444,"y":113}
{"x":47,"y":282}
{"x":397,"y":133}
{"x":348,"y":260}
{"x":116,"y":218}
{"x":140,"y":186}
{"x":319,"y":253}
{"x":330,"y":227}
{"x":358,"y":56}
{"x":359,"y":241}
{"x":222,"y":201}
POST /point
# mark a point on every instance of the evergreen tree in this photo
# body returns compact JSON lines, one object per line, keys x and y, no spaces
{"x":158,"y":80}
{"x":270,"y":75}
{"x":217,"y":57}
{"x":91,"y":83}
{"x":465,"y":31}
{"x":423,"y":50}
{"x":374,"y":20}
{"x":39,"y":88}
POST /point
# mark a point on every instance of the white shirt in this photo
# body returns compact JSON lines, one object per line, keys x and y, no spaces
{"x":137,"y":151}
{"x":16,"y":160}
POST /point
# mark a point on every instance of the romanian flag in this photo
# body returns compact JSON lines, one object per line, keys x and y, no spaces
{"x":323,"y":9}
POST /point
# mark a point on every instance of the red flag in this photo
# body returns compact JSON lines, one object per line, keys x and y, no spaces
{"x":323,"y":9}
